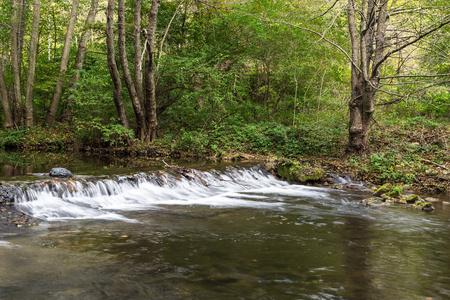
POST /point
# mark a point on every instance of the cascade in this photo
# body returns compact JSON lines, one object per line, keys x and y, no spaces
{"x":106,"y":198}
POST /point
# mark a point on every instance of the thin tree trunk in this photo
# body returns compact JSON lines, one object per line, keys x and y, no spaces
{"x":79,"y":59}
{"x":51,"y":114}
{"x":5,"y":100}
{"x":32,"y":64}
{"x":137,"y":103}
{"x":113,"y":67}
{"x":23,"y":22}
{"x":295,"y":99}
{"x":150,"y":88}
{"x":16,"y":14}
{"x":137,"y":49}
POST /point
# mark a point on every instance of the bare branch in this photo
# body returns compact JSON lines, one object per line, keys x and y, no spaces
{"x":318,"y":34}
{"x":411,"y":95}
{"x":421,"y":36}
{"x":328,"y":10}
{"x":433,"y":163}
{"x":165,"y":35}
{"x":415,"y":76}
{"x":96,"y":52}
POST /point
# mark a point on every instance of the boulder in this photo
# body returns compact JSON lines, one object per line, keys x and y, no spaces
{"x":302,"y":173}
{"x":382,"y":189}
{"x":410,"y":199}
{"x":61,"y":173}
{"x":7,"y":193}
{"x":423,"y":205}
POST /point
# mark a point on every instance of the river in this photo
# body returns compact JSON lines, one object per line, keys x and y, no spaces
{"x":234,"y":232}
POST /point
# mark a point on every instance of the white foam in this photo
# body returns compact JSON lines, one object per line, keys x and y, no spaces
{"x":8,"y":244}
{"x":105,"y":199}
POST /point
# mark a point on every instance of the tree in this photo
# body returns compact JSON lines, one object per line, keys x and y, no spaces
{"x":12,"y":102}
{"x":32,"y":64}
{"x":150,"y":86}
{"x":135,"y":100}
{"x":9,"y":122}
{"x":51,"y":114}
{"x":115,"y":76}
{"x":371,"y":47}
{"x":16,"y":13}
{"x":79,"y":59}
{"x":145,"y":111}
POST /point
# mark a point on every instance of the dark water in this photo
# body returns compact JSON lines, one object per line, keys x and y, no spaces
{"x":242,"y":235}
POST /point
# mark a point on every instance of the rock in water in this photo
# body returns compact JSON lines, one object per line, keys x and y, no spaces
{"x":7,"y":193}
{"x":60,"y":172}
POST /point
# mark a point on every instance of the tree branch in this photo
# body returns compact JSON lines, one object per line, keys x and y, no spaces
{"x":165,"y":35}
{"x":327,"y":11}
{"x":421,"y":36}
{"x":318,"y":34}
{"x":415,"y":76}
{"x":96,"y":52}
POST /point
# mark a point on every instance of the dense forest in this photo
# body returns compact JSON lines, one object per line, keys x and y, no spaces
{"x":366,"y":78}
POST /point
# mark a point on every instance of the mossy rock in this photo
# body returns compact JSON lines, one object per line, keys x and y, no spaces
{"x":395,"y":192}
{"x":385,"y":188}
{"x":424,"y":205}
{"x":294,"y":171}
{"x":399,"y":200}
{"x":410,"y":198}
{"x":375,"y":201}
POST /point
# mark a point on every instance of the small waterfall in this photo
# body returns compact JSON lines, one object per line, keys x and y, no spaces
{"x":347,"y":180}
{"x":82,"y":198}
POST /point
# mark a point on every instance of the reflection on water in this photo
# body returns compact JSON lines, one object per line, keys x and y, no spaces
{"x":244,"y":236}
{"x":16,"y":166}
{"x":308,"y":251}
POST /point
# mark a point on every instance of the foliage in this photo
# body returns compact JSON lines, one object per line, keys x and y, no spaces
{"x":38,"y":138}
{"x":233,"y":77}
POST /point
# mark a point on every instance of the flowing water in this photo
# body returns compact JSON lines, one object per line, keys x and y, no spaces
{"x":237,"y":233}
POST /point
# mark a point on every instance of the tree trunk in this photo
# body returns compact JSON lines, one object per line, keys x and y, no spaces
{"x":16,"y":14}
{"x":137,"y":103}
{"x":5,"y":100}
{"x":137,"y":49}
{"x":365,"y":69}
{"x":113,"y":67}
{"x":51,"y":114}
{"x":23,"y":23}
{"x":150,"y":88}
{"x":32,"y":64}
{"x":361,"y":112}
{"x":79,"y":60}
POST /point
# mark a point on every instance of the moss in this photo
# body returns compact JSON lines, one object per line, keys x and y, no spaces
{"x":294,"y":171}
{"x":395,"y":192}
{"x":423,"y":205}
{"x":385,"y":188}
{"x":411,"y":198}
{"x":375,"y":201}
